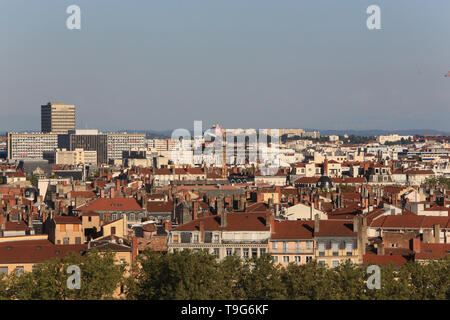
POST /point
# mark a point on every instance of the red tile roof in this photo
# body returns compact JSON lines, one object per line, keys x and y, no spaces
{"x":160,"y":206}
{"x":335,"y":228}
{"x":296,"y":229}
{"x":432,"y":251}
{"x":35,"y":251}
{"x":384,"y":260}
{"x":67,"y":220}
{"x":114,"y":204}
{"x":235,"y":222}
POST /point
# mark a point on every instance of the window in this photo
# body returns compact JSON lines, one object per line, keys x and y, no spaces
{"x":349,"y":248}
{"x":334,"y":263}
{"x":229,"y":252}
{"x":322,"y":261}
{"x":4,"y":270}
{"x":216,"y":252}
{"x":76,"y":227}
{"x":62,"y":227}
{"x":309,"y":245}
{"x":113,"y":230}
{"x":262,"y":251}
{"x":335,"y":247}
{"x":275,"y":258}
{"x":66,"y":240}
{"x":246,"y":253}
{"x":275,"y":245}
{"x":237,"y":252}
{"x":77,"y":240}
{"x":254,"y":252}
{"x":195,"y":238}
{"x":298,"y":259}
{"x":297,"y":246}
{"x":175,"y":238}
{"x":216,"y":238}
{"x":321,"y":249}
{"x":285,"y":259}
{"x":308,"y":259}
{"x":285,"y":246}
{"x":89,"y":219}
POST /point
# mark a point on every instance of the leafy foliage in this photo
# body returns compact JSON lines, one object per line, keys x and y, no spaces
{"x":190,"y":275}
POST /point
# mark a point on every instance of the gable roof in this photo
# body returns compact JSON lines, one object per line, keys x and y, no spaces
{"x":235,"y":222}
{"x":112,"y":204}
{"x":293,"y":229}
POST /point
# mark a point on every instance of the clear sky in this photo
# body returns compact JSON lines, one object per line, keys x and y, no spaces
{"x":161,"y":64}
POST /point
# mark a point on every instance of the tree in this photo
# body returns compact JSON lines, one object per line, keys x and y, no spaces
{"x":184,"y":275}
{"x":3,"y":287}
{"x":100,"y":278}
{"x":346,"y":282}
{"x":308,"y":281}
{"x":263,"y":279}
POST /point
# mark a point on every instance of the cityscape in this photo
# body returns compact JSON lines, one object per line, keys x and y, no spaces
{"x":277,"y":187}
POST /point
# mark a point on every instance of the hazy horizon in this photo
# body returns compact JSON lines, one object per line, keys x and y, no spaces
{"x":161,"y":65}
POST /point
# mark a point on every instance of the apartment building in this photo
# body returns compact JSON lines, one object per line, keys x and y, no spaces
{"x":242,"y":234}
{"x":119,"y":142}
{"x":57,"y":118}
{"x":292,"y":241}
{"x":75,"y":157}
{"x":28,"y":146}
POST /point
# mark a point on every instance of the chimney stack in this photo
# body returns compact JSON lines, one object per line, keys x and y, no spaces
{"x":219,"y":204}
{"x":202,"y":231}
{"x":416,"y":244}
{"x":380,"y":249}
{"x":437,"y":233}
{"x":316,"y":223}
{"x":223,"y":220}
{"x":325,"y":167}
{"x":269,"y":218}
{"x":194,"y":210}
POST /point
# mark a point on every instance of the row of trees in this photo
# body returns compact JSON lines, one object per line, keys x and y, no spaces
{"x":100,"y":278}
{"x":198,"y":275}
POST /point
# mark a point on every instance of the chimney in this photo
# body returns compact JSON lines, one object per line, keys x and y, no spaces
{"x":416,"y":244}
{"x":194,"y":210}
{"x":380,"y":249}
{"x":316,"y":223}
{"x":219,"y":206}
{"x":268,"y":217}
{"x":325,"y":167}
{"x":202,"y":231}
{"x":167,"y":225}
{"x":134,"y":248}
{"x":356,"y":224}
{"x":437,"y":233}
{"x":316,"y":205}
{"x":223,"y":220}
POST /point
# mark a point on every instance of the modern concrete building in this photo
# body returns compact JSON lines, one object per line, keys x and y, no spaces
{"x":57,"y":118}
{"x":88,"y":140}
{"x":26,"y":146}
{"x":120,"y":142}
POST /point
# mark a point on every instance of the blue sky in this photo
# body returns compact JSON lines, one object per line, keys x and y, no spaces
{"x":162,"y":64}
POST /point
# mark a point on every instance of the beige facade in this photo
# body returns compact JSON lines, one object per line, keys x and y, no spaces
{"x":76,"y":157}
{"x":287,"y":251}
{"x":57,"y":118}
